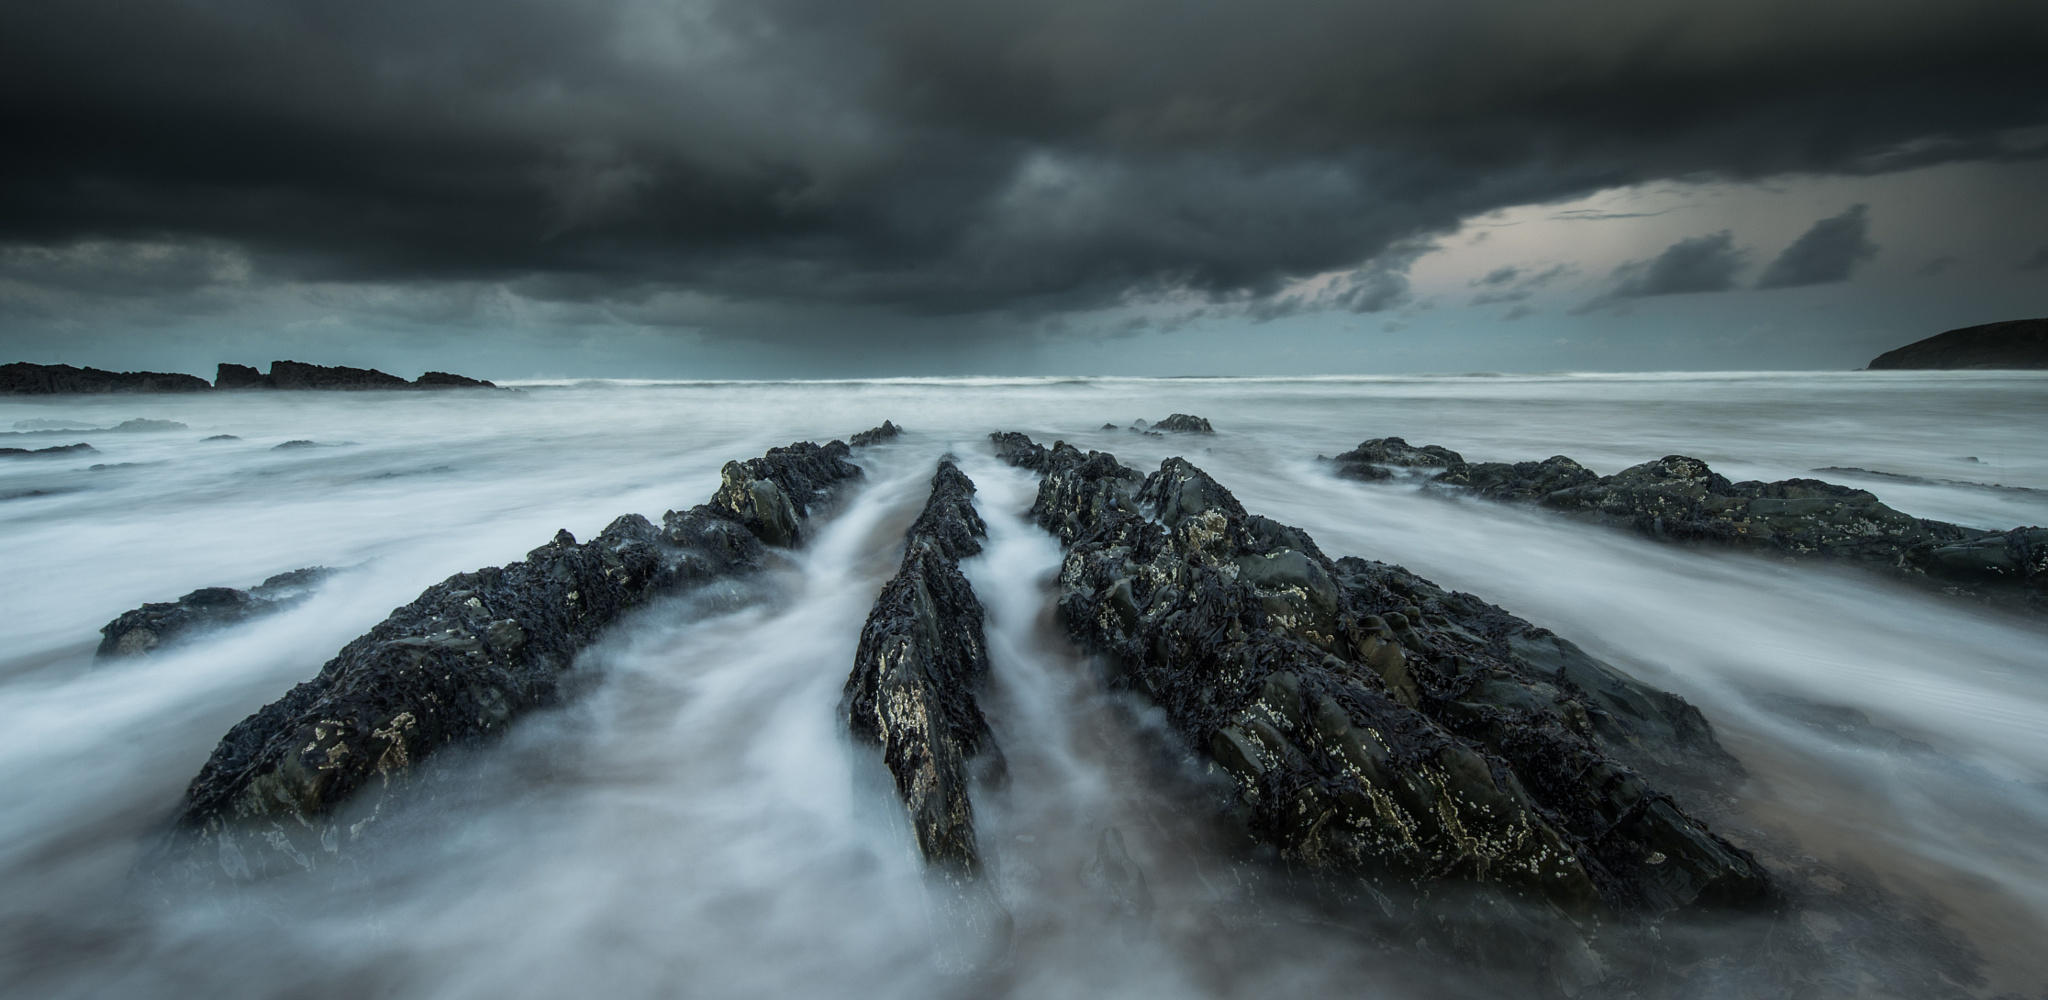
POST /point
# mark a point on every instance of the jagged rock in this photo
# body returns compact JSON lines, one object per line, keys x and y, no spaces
{"x":81,"y":448}
{"x":298,"y":375}
{"x":232,"y":376}
{"x":292,"y":785}
{"x":1369,"y":461}
{"x":1681,"y":499}
{"x":1375,"y":727}
{"x":25,"y":378}
{"x":876,"y":434}
{"x":152,"y":626}
{"x":295,"y":445}
{"x":1184,"y":423}
{"x":1519,"y":481}
{"x":922,"y":659}
{"x":449,"y":380}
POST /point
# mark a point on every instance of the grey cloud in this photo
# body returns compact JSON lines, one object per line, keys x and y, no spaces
{"x":1698,"y":264}
{"x":933,"y":158}
{"x":1826,"y":253}
{"x":1515,"y":284}
{"x":2038,"y":261}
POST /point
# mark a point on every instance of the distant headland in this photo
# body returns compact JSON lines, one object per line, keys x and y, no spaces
{"x":22,"y":378}
{"x":2019,"y":343}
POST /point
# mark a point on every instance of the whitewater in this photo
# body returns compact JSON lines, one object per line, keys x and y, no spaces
{"x":696,"y":821}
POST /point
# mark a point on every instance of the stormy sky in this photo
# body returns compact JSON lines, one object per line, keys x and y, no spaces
{"x":775,"y":188}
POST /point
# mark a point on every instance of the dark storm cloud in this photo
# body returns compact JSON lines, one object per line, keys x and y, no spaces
{"x":928,"y":157}
{"x":1698,"y":264}
{"x":1824,"y":254}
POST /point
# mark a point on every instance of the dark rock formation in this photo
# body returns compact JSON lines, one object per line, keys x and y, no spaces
{"x":81,"y":448}
{"x":24,"y":378}
{"x":298,"y":375}
{"x":152,"y":626}
{"x":1680,"y":499}
{"x":450,"y":380}
{"x":2019,"y":343}
{"x":1184,"y":423}
{"x":221,"y":437}
{"x":1369,"y":461}
{"x":233,"y":376}
{"x":292,"y":785}
{"x":295,"y":445}
{"x":921,"y":660}
{"x":1379,"y":732}
{"x":876,"y":434}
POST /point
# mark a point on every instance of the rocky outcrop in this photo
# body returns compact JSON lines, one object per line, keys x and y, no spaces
{"x":922,"y":659}
{"x":81,"y":448}
{"x":1380,"y":733}
{"x":1184,"y":423}
{"x":153,"y":626}
{"x":299,"y":375}
{"x":876,"y":435}
{"x":1680,"y":499}
{"x":2019,"y":343}
{"x":233,"y":376}
{"x":290,"y":787}
{"x":450,"y":380}
{"x":1369,"y":461}
{"x":28,"y":379}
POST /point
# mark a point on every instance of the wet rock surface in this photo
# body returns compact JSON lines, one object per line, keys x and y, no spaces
{"x":155,"y":625}
{"x":22,"y":378}
{"x":1680,"y":499}
{"x":921,"y":662}
{"x":290,"y":787}
{"x":876,"y":435}
{"x":1184,"y":423}
{"x":1389,"y":739}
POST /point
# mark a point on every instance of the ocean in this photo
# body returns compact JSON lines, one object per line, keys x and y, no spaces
{"x":696,"y":820}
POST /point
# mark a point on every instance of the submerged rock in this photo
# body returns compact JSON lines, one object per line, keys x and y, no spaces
{"x":1381,"y":733}
{"x":1184,"y":423}
{"x":152,"y":626}
{"x":921,"y":661}
{"x":292,"y":785}
{"x":81,"y":448}
{"x":30,"y":379}
{"x":1681,"y":499}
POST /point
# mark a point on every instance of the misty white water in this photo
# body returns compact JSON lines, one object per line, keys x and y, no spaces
{"x":697,"y":822}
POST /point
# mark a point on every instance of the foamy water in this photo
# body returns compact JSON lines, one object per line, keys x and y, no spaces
{"x":697,"y":823}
